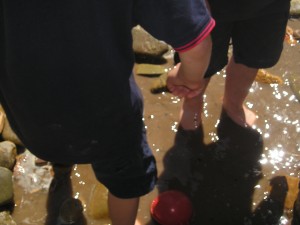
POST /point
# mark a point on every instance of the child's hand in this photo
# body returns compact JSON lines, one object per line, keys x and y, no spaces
{"x":181,"y":87}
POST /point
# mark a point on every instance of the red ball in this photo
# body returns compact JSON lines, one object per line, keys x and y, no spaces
{"x":171,"y":208}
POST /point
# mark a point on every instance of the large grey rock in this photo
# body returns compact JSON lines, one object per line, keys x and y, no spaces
{"x":8,"y":154}
{"x":6,"y":187}
{"x":6,"y":219}
{"x":144,"y":43}
{"x":295,"y":8}
{"x":7,"y":132}
{"x":2,"y":121}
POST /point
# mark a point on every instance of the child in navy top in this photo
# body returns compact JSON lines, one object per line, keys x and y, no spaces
{"x":67,"y":88}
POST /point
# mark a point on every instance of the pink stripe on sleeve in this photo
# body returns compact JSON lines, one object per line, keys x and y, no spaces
{"x":198,"y":39}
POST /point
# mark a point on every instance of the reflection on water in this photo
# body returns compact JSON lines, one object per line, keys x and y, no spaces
{"x":233,"y":175}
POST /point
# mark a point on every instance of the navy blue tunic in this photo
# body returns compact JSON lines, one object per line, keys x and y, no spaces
{"x":66,"y":69}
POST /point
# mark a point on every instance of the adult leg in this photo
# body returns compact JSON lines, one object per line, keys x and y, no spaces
{"x":251,"y":51}
{"x":122,"y":211}
{"x":239,"y":79}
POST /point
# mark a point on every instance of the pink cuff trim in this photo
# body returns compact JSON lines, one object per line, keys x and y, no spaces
{"x":198,"y":39}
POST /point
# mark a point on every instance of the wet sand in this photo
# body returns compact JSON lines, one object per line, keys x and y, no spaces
{"x":225,"y":170}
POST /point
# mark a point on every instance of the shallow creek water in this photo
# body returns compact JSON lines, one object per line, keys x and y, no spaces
{"x":226,"y":171}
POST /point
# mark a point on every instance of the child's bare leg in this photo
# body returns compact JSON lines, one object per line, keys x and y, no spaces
{"x":191,"y":110}
{"x":238,"y":82}
{"x":122,"y":211}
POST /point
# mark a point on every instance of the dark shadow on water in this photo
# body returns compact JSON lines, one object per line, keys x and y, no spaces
{"x":274,"y":203}
{"x":150,"y":59}
{"x":220,"y":177}
{"x":60,"y":202}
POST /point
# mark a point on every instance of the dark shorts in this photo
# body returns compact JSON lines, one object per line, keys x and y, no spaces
{"x":128,"y":175}
{"x":256,"y":42}
{"x":129,"y":170}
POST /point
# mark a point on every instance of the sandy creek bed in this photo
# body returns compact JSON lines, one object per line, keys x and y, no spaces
{"x":227,"y":178}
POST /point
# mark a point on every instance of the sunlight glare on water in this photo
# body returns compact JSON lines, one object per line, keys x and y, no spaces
{"x":283,"y":220}
{"x":175,"y":99}
{"x":174,"y":126}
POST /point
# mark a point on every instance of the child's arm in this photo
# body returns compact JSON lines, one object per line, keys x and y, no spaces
{"x":185,"y":79}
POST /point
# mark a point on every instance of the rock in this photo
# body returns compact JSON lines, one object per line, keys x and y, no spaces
{"x":160,"y":85}
{"x":264,"y":76}
{"x":6,"y":187}
{"x":2,"y":121}
{"x":6,"y":219}
{"x":290,"y":36}
{"x":296,"y":34}
{"x":8,"y":154}
{"x":295,"y":8}
{"x":149,"y":69}
{"x":144,"y":43}
{"x":7,"y":132}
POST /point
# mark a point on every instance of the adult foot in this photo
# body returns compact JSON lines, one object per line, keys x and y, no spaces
{"x":137,"y":222}
{"x":250,"y":116}
{"x":243,"y":117}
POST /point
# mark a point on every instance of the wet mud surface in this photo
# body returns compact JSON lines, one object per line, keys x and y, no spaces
{"x":226,"y":170}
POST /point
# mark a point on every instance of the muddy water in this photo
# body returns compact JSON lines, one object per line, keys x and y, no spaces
{"x":226,"y":171}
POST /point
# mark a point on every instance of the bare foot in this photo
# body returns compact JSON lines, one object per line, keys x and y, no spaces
{"x":190,"y":114}
{"x":250,"y":116}
{"x":244,"y":117}
{"x":137,"y":222}
{"x":190,"y":120}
